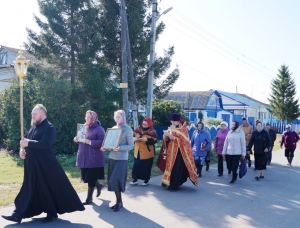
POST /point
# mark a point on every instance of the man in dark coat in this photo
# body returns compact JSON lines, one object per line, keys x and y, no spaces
{"x":46,"y":187}
{"x":272,"y":135}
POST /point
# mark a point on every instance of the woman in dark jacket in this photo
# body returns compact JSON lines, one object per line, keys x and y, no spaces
{"x":90,"y":159}
{"x":289,"y":139}
{"x":261,"y":140}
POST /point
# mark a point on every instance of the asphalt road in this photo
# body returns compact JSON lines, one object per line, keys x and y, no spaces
{"x":271,"y":202}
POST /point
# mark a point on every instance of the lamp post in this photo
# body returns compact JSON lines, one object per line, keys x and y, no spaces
{"x":21,"y":65}
{"x":152,"y":55}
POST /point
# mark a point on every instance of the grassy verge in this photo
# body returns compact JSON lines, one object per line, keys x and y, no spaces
{"x":11,"y":173}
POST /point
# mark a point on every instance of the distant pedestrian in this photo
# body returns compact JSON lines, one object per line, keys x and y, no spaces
{"x":145,"y":137}
{"x":200,"y":143}
{"x":219,"y":144}
{"x":289,"y":139}
{"x":118,"y":160}
{"x":272,"y":135}
{"x":234,"y":149}
{"x":248,"y":130}
{"x":261,"y":141}
{"x":90,"y":159}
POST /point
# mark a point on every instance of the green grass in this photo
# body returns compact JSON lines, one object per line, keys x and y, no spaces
{"x":11,"y":178}
{"x":11,"y":173}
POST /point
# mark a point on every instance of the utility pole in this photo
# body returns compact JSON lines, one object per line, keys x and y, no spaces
{"x":134,"y":108}
{"x":124,"y":60}
{"x":152,"y":56}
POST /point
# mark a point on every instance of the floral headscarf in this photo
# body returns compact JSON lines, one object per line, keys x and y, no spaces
{"x":94,"y":117}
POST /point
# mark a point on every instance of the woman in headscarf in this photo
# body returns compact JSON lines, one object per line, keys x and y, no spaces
{"x":234,"y":149}
{"x":90,"y":159}
{"x":200,"y":143}
{"x":118,"y":160}
{"x":261,"y":140}
{"x":289,"y":139}
{"x":219,"y":144}
{"x":145,"y":137}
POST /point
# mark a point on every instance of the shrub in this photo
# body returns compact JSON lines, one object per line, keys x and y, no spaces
{"x":212,"y":121}
{"x":162,"y":110}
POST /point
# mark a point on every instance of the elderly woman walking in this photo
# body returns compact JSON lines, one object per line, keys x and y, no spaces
{"x":145,"y":137}
{"x":289,"y":139}
{"x":219,"y":144}
{"x":234,"y":149}
{"x":90,"y":159}
{"x":118,"y":160}
{"x":200,"y":143}
{"x":261,"y":140}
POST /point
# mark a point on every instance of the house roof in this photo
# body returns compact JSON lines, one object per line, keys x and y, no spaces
{"x":243,"y":99}
{"x":192,"y":99}
{"x":26,"y":54}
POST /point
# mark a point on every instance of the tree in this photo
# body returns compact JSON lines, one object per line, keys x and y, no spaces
{"x":283,"y":104}
{"x":139,"y":25}
{"x":70,"y":38}
{"x":162,"y":110}
{"x":41,"y":86}
{"x":66,"y":104}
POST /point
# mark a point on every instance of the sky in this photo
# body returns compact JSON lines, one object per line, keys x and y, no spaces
{"x":232,"y":45}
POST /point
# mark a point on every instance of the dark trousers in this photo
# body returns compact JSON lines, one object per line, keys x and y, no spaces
{"x":220,"y":164}
{"x":233,"y":162}
{"x":269,"y":155}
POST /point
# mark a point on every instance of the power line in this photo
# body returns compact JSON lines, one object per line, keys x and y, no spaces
{"x":175,"y":27}
{"x":215,"y":37}
{"x":214,"y":44}
{"x":218,"y":81}
{"x":217,"y":46}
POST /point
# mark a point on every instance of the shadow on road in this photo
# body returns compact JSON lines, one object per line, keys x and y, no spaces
{"x":123,"y":218}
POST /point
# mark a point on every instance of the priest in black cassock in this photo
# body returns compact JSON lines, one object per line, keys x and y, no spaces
{"x":46,"y":187}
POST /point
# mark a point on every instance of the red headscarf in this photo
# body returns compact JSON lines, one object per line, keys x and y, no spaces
{"x":149,"y":121}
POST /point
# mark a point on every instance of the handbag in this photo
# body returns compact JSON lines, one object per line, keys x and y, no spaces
{"x":209,"y":156}
{"x":243,"y":168}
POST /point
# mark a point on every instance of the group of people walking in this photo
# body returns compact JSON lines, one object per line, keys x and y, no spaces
{"x":46,"y":187}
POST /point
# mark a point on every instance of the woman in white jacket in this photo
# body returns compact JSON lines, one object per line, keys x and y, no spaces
{"x":234,"y":149}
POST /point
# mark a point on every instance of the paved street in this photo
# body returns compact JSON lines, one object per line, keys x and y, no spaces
{"x":270,"y":202}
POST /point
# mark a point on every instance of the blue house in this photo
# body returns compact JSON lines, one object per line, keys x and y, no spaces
{"x":209,"y":103}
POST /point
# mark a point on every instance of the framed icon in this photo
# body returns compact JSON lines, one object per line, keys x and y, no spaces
{"x":81,"y":132}
{"x":112,"y":138}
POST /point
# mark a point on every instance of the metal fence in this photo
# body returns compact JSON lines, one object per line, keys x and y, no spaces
{"x":278,"y":127}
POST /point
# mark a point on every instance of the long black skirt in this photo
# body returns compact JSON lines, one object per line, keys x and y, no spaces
{"x":117,"y":175}
{"x":142,"y":168}
{"x":260,"y":161}
{"x":92,"y":174}
{"x":179,"y":173}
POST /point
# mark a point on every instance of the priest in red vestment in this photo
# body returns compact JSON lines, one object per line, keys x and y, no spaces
{"x":176,"y":158}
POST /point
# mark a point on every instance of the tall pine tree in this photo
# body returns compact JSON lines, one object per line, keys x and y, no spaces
{"x":139,"y":25}
{"x":70,"y":38}
{"x":283,"y":104}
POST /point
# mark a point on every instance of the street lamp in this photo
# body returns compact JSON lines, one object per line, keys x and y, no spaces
{"x":21,"y":65}
{"x":152,"y":54}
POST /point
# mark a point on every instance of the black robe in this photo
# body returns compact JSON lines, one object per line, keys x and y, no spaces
{"x":46,"y":187}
